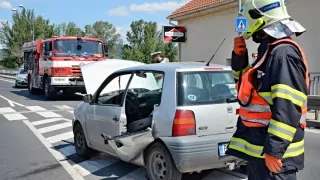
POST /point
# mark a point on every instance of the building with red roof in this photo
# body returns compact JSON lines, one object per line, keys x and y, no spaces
{"x":208,"y":22}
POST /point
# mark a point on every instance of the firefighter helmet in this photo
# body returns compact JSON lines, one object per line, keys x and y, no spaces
{"x":271,"y":16}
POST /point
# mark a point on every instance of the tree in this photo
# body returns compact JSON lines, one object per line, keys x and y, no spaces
{"x":145,"y":38}
{"x":108,"y":33}
{"x":70,"y":29}
{"x":13,"y":37}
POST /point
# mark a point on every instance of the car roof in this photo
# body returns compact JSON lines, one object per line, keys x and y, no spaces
{"x":173,"y":66}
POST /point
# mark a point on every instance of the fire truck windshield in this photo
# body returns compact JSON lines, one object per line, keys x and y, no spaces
{"x":62,"y":48}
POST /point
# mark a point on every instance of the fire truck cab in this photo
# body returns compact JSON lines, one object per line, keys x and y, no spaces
{"x":53,"y":64}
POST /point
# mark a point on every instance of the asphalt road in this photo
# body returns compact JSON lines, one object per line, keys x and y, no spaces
{"x":36,"y":142}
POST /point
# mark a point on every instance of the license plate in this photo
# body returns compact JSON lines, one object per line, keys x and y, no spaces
{"x":223,"y":149}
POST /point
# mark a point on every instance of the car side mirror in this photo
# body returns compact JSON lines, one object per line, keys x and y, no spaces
{"x":87,"y":98}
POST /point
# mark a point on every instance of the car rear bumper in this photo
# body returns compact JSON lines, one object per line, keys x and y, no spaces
{"x":193,"y":153}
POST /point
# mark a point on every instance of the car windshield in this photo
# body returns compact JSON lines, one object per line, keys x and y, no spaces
{"x":205,"y":87}
{"x":70,"y":48}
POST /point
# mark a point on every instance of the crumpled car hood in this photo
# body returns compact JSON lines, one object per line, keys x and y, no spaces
{"x":95,"y":73}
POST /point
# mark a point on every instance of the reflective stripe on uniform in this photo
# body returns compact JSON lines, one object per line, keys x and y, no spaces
{"x":257,"y":108}
{"x":286,"y":92}
{"x":266,"y":96}
{"x":281,"y":130}
{"x":294,"y":149}
{"x":261,"y":121}
{"x":237,"y":73}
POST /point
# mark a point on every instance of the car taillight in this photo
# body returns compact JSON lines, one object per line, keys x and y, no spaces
{"x":184,"y":123}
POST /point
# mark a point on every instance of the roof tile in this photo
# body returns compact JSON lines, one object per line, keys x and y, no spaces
{"x":195,"y":4}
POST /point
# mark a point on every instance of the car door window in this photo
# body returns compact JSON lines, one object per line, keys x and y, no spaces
{"x":113,"y":92}
{"x":144,"y":92}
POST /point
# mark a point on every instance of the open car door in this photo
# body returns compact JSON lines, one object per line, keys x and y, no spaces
{"x":129,"y":146}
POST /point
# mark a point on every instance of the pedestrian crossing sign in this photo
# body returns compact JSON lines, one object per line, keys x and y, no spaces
{"x":241,"y":24}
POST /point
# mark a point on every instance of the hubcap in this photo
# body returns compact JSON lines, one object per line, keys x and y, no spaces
{"x":79,"y":140}
{"x":159,"y":166}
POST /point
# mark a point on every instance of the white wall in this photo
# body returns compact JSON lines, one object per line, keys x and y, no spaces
{"x":205,"y":33}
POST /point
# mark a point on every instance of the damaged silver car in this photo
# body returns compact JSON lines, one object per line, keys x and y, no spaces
{"x":171,"y":118}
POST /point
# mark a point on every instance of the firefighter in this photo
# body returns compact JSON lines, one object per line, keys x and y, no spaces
{"x":272,"y":93}
{"x":158,"y":58}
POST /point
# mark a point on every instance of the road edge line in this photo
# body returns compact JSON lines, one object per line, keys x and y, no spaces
{"x":56,"y":154}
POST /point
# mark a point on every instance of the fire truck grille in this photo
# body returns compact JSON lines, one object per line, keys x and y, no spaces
{"x":75,"y":70}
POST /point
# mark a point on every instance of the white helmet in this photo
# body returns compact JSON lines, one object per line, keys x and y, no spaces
{"x":271,"y":16}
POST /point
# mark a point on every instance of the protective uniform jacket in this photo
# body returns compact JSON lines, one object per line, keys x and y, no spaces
{"x":273,"y":96}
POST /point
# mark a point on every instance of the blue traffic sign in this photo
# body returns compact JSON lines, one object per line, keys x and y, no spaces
{"x":241,"y":24}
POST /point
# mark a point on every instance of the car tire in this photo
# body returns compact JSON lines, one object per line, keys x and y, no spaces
{"x":30,"y":88}
{"x":49,"y":94}
{"x":160,"y":165}
{"x":80,"y":142}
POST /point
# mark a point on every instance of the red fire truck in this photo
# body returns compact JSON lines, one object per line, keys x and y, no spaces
{"x":53,"y":64}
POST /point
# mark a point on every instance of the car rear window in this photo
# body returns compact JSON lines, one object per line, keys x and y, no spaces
{"x":205,"y":87}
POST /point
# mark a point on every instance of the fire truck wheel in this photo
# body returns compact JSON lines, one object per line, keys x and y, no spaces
{"x":49,"y":92}
{"x":30,"y":88}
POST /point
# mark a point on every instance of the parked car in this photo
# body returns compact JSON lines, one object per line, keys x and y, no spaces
{"x":182,"y":124}
{"x":21,"y":78}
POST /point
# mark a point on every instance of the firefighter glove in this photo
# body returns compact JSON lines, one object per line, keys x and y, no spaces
{"x":239,"y":46}
{"x":274,"y":164}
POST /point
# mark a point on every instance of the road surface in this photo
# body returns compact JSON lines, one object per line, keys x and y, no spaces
{"x":36,"y":142}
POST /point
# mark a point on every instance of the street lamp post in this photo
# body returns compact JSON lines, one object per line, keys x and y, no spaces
{"x":32,"y":21}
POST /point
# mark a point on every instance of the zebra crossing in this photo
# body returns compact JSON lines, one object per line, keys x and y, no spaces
{"x":53,"y":124}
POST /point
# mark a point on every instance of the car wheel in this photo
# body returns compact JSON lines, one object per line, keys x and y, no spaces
{"x":30,"y":88}
{"x":160,"y":165}
{"x":80,"y":142}
{"x":49,"y":94}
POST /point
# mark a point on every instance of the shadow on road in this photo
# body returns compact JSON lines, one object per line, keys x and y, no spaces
{"x":40,"y":96}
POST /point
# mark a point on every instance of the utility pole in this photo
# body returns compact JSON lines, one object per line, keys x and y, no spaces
{"x":239,"y":9}
{"x":31,"y":23}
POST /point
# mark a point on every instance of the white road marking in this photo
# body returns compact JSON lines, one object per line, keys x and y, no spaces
{"x":62,"y":107}
{"x":35,"y":108}
{"x":87,"y":167}
{"x":60,"y":137}
{"x":45,"y":121}
{"x":6,"y":110}
{"x":139,"y":173}
{"x":15,"y":117}
{"x":70,"y":111}
{"x":55,"y":127}
{"x":48,"y":114}
{"x":11,"y":102}
{"x":7,"y":80}
{"x":59,"y":157}
{"x":67,"y":151}
{"x":317,"y":131}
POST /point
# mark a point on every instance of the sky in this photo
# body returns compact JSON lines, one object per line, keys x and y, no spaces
{"x":118,"y":12}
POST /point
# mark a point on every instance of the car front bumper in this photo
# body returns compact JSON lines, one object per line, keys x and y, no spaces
{"x":21,"y":82}
{"x":193,"y":153}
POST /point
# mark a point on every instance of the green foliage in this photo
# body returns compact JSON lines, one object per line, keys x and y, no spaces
{"x":145,"y":38}
{"x":108,"y":33}
{"x":13,"y":37}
